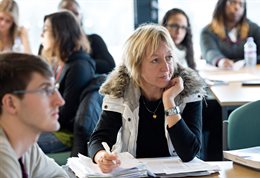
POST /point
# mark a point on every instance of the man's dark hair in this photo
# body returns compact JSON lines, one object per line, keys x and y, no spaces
{"x":16,"y":71}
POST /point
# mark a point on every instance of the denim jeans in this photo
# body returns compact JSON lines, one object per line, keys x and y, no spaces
{"x":49,"y":143}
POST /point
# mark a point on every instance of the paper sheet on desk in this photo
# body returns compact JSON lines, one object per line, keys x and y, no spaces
{"x":174,"y":167}
{"x":231,"y":77}
{"x":84,"y":167}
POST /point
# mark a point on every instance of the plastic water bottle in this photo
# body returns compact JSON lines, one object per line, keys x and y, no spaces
{"x":250,"y":54}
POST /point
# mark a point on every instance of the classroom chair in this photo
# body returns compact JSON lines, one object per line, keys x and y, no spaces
{"x":87,"y":116}
{"x":243,"y":126}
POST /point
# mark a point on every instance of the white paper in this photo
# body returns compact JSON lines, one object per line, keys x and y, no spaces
{"x":83,"y":167}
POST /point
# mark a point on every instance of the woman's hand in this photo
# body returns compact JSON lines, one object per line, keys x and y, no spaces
{"x":106,"y":161}
{"x":225,"y":64}
{"x":171,"y":91}
{"x":23,"y":34}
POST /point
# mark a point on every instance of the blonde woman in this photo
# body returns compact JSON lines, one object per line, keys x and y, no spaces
{"x":149,"y":96}
{"x":12,"y":36}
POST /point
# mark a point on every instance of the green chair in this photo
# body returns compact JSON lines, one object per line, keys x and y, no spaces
{"x":243,"y":126}
{"x":60,"y":158}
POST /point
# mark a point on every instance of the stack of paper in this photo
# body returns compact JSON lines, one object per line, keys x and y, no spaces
{"x":174,"y":167}
{"x":130,"y":167}
{"x":249,"y":156}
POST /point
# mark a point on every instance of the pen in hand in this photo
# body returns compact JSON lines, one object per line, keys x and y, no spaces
{"x":105,"y":145}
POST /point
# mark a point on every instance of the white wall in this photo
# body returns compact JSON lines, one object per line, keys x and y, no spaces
{"x":111,"y":19}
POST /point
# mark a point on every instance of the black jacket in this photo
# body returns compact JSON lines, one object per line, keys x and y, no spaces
{"x":87,"y":115}
{"x":76,"y":74}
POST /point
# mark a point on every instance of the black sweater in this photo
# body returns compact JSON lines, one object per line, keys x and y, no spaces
{"x":151,"y":141}
{"x":99,"y":52}
{"x":76,"y":74}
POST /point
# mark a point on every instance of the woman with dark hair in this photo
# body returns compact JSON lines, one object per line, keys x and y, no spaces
{"x":178,"y":24}
{"x":222,"y":41}
{"x":64,"y":42}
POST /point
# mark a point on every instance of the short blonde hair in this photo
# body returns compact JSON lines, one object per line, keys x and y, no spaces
{"x":144,"y":42}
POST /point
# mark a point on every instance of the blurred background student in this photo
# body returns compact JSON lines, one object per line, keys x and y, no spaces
{"x":178,"y":24}
{"x":99,"y":52}
{"x":222,"y":41}
{"x":12,"y":36}
{"x":64,"y":42}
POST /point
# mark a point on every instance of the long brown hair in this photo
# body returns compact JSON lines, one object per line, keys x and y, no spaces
{"x":217,"y":25}
{"x":67,"y":33}
{"x":187,"y":41}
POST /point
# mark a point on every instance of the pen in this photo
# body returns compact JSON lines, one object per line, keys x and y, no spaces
{"x":105,"y":145}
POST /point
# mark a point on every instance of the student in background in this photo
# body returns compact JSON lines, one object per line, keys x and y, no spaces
{"x":12,"y":36}
{"x":64,"y":41}
{"x":29,"y":106}
{"x":99,"y":52}
{"x":149,"y":96}
{"x":178,"y":24}
{"x":222,"y":41}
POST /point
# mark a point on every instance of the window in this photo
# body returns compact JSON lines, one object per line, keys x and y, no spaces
{"x":113,"y":20}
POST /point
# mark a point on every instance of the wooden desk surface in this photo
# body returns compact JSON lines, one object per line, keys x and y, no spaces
{"x":232,"y":170}
{"x":228,"y":170}
{"x":233,"y":94}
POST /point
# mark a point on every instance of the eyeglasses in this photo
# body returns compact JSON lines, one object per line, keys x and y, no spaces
{"x":48,"y":91}
{"x":177,"y":27}
{"x":233,"y":3}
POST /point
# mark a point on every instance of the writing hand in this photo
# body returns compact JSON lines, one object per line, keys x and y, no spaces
{"x":107,"y":162}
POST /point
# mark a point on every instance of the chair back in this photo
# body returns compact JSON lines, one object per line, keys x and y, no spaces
{"x":243,"y":126}
{"x":87,"y":116}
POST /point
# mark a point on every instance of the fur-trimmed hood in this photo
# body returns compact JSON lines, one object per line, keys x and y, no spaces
{"x":119,"y":79}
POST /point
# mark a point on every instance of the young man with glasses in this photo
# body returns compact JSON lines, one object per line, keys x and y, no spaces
{"x":222,"y":41}
{"x":29,"y":106}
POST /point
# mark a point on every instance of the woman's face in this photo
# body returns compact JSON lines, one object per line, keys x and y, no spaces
{"x":234,"y":10}
{"x":177,"y":26}
{"x":157,"y":69}
{"x":47,"y":36}
{"x":6,"y":22}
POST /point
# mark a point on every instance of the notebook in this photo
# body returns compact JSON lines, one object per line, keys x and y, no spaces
{"x":249,"y":156}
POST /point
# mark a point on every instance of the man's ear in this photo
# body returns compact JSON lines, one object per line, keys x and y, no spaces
{"x":9,"y":103}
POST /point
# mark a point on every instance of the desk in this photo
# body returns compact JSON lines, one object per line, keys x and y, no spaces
{"x":232,"y":170}
{"x":230,"y":97}
{"x":228,"y":170}
{"x":232,"y":94}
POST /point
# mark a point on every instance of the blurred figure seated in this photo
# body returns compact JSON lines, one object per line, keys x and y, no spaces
{"x":222,"y":41}
{"x":12,"y":36}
